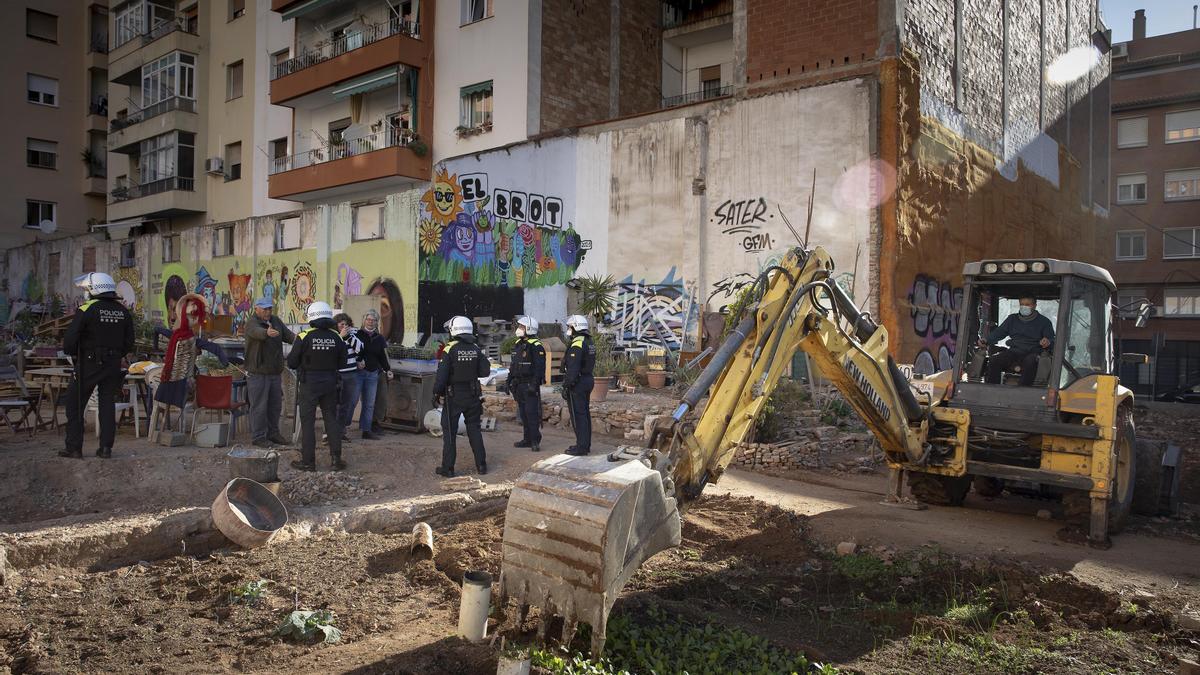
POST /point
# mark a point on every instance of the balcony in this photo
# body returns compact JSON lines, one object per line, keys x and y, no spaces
{"x":171,"y":196}
{"x":125,"y":61}
{"x":172,"y":114}
{"x":385,"y":158}
{"x":697,"y":96}
{"x":318,"y":66}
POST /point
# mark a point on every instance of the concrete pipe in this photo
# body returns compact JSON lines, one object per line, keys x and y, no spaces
{"x":422,"y":541}
{"x":475,"y":605}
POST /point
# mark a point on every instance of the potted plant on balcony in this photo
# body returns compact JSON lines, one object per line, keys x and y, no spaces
{"x":418,"y":146}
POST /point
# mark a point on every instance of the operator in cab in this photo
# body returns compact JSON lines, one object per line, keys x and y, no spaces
{"x":1028,"y":332}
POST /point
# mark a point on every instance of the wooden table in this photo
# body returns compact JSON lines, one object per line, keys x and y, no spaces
{"x":55,"y":381}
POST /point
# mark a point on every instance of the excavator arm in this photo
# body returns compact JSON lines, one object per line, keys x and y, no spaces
{"x":577,"y":528}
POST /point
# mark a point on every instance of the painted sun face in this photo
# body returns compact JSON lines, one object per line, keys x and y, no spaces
{"x":443,"y":199}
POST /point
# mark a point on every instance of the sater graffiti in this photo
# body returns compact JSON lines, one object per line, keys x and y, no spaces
{"x":652,"y":314}
{"x":934,"y":308}
{"x":743,"y":220}
{"x":503,"y":237}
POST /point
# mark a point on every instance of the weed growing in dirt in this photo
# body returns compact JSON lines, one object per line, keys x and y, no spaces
{"x":303,"y":626}
{"x":249,"y":593}
{"x":661,"y":643}
{"x":788,"y":396}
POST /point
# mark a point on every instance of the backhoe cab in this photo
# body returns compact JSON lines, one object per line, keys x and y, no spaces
{"x":1070,"y":431}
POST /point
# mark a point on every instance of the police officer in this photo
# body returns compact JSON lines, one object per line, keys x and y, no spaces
{"x":317,"y":355}
{"x":100,"y":335}
{"x":577,"y":367}
{"x":525,"y":377}
{"x":457,"y":391}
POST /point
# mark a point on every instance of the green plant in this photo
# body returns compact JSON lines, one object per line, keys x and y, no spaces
{"x":745,"y":297}
{"x":304,"y":625}
{"x":507,"y":346}
{"x":683,"y":378}
{"x":418,"y":147}
{"x":605,"y":360}
{"x":595,"y":295}
{"x":249,"y":593}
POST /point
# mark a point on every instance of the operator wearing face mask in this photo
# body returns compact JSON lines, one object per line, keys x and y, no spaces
{"x":1028,"y":333}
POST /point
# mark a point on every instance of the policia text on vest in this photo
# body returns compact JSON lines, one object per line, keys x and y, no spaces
{"x":316,"y":356}
{"x":457,"y":388}
{"x":99,"y":337}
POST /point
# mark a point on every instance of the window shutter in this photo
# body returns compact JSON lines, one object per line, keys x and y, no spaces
{"x":710,"y":73}
{"x":1132,"y":132}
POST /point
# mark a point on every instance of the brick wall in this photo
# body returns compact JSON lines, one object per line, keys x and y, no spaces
{"x":789,"y":37}
{"x":577,"y":43}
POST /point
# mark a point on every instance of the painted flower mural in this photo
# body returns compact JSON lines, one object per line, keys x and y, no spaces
{"x":431,"y":236}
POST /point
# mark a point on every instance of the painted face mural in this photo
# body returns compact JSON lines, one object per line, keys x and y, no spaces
{"x":464,"y":237}
{"x":443,"y":200}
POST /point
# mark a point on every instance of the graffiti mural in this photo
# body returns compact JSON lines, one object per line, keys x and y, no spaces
{"x":934,"y":308}
{"x":652,"y":314}
{"x":349,"y":282}
{"x":129,"y":287}
{"x":500,"y":237}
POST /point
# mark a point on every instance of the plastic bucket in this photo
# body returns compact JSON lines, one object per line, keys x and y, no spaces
{"x":257,"y":464}
{"x":248,"y":514}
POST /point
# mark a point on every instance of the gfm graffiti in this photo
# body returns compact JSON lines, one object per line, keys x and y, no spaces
{"x":934,"y":308}
{"x":654,"y":314}
{"x":502,"y":237}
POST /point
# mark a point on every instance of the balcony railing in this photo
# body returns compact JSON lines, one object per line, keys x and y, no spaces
{"x":324,"y":51}
{"x":695,"y":96}
{"x":154,"y":110}
{"x":342,"y":149}
{"x":127,"y":192}
{"x":165,"y":28}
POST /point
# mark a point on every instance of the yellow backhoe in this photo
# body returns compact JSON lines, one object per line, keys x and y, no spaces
{"x":577,"y":528}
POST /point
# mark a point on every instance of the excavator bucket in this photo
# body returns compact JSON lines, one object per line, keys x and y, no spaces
{"x":575,"y":531}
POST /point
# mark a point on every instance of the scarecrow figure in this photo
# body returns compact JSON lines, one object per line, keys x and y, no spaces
{"x":179,"y":365}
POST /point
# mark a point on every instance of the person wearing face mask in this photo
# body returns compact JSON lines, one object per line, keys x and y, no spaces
{"x":1028,"y":333}
{"x":375,"y":361}
{"x":577,"y":366}
{"x":525,"y":379}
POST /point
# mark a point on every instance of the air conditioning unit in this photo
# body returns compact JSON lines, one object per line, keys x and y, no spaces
{"x":215,"y":166}
{"x":1120,"y":50}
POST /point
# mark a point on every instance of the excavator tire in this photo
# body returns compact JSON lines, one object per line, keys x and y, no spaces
{"x":987,"y":486}
{"x":1077,"y":504}
{"x":939,"y":490}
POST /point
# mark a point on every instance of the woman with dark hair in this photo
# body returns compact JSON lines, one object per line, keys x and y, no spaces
{"x":391,"y":329}
{"x":173,"y":290}
{"x":391,"y":309}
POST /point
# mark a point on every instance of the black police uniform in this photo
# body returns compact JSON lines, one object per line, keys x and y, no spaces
{"x":317,"y":355}
{"x":463,"y":363}
{"x":525,"y":377}
{"x":577,"y":367}
{"x":100,"y":335}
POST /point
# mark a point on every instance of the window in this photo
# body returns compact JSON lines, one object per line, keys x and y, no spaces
{"x":42,"y":90}
{"x":1183,"y":126}
{"x":1181,"y":242}
{"x":170,"y":76}
{"x":475,"y":10}
{"x":710,"y":81}
{"x":337,"y":138}
{"x":170,"y":252}
{"x":128,"y":254}
{"x":278,"y":59}
{"x":1127,"y":301}
{"x":287,"y":234}
{"x":1179,"y":185}
{"x":476,"y":105}
{"x":233,"y":81}
{"x":41,"y":26}
{"x":89,"y":259}
{"x":236,"y":8}
{"x":157,"y":158}
{"x":1181,"y":301}
{"x":233,"y":161}
{"x":1131,"y":188}
{"x":367,"y":222}
{"x":42,"y":154}
{"x":1132,"y":132}
{"x":1131,"y":245}
{"x":37,"y":211}
{"x":279,"y":148}
{"x":128,"y":22}
{"x":223,"y":241}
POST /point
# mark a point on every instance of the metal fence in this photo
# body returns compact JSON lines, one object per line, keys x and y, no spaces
{"x":330,"y":152}
{"x":127,"y":192}
{"x":311,"y":56}
{"x":154,"y":110}
{"x":696,"y":96}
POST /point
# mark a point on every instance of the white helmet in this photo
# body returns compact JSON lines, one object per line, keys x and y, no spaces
{"x":318,"y":310}
{"x":530,"y":324}
{"x":577,"y":322}
{"x":459,"y":325}
{"x":96,"y":284}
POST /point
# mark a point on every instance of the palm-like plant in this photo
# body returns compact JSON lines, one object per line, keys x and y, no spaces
{"x":595,"y":295}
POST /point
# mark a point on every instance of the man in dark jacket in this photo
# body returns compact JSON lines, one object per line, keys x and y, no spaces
{"x":99,"y":337}
{"x":317,"y":356}
{"x":265,"y":335}
{"x":1028,"y":333}
{"x":577,"y":366}
{"x":525,"y":377}
{"x":456,"y":389}
{"x":375,"y":373}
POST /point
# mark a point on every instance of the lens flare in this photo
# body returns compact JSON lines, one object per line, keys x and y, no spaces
{"x":865,"y":185}
{"x":1073,"y":65}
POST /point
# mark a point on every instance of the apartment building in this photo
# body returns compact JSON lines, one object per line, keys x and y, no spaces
{"x":55,"y":51}
{"x":1155,"y":221}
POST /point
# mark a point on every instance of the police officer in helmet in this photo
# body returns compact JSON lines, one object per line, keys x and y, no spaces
{"x":525,"y":377}
{"x":577,"y":367}
{"x":317,"y":355}
{"x":457,"y":390}
{"x":100,"y":335}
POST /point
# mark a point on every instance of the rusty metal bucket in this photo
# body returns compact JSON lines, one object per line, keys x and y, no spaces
{"x":247,"y":513}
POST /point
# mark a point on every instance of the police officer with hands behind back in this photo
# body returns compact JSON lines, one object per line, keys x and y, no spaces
{"x":317,"y":355}
{"x":525,"y":377}
{"x":577,"y":366}
{"x":99,"y":337}
{"x":457,"y":391}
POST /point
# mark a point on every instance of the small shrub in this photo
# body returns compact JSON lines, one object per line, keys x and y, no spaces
{"x":249,"y":593}
{"x":304,"y":625}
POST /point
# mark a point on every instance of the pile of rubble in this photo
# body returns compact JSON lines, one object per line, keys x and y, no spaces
{"x":614,"y":418}
{"x":795,"y":455}
{"x":303,"y":488}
